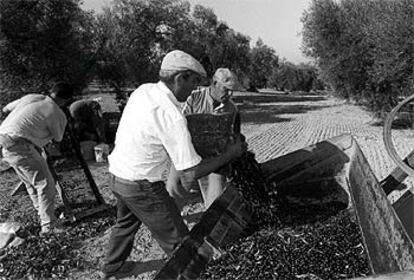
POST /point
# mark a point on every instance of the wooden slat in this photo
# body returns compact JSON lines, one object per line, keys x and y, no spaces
{"x":397,"y":176}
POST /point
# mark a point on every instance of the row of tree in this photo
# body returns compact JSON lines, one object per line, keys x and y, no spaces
{"x":42,"y":41}
{"x":364,"y":49}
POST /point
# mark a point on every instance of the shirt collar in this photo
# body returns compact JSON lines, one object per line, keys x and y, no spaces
{"x":213,"y":102}
{"x":168,"y":92}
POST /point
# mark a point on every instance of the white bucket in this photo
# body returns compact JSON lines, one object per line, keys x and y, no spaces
{"x":101,"y":152}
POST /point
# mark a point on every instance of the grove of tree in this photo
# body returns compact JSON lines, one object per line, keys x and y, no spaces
{"x":364,"y":49}
{"x":43,"y":41}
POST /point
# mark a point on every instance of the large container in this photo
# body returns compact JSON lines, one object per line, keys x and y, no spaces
{"x":404,"y":207}
{"x":338,"y":168}
{"x":334,"y":170}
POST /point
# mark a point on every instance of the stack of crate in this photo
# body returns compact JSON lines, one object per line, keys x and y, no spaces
{"x":228,"y":218}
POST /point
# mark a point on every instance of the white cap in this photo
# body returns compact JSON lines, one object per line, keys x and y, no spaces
{"x":227,"y":78}
{"x":180,"y":61}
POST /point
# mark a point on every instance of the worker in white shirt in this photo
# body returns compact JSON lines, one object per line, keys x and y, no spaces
{"x":34,"y":120}
{"x":214,"y":99}
{"x":151,"y":130}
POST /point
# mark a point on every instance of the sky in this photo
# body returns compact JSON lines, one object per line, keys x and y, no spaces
{"x":276,"y":22}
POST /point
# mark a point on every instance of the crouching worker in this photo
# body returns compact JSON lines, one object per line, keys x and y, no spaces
{"x":34,"y":120}
{"x":88,"y":123}
{"x":151,"y":130}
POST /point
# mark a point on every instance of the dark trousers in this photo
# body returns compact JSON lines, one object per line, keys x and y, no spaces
{"x":142,"y":202}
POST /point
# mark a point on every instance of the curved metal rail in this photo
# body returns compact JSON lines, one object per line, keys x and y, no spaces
{"x":389,"y":145}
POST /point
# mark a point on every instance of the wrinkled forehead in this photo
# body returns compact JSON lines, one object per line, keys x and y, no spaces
{"x":227,"y":85}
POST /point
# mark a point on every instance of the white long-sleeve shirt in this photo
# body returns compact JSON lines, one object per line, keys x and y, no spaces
{"x":151,"y":130}
{"x":36,"y":118}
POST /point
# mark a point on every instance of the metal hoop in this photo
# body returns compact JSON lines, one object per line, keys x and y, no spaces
{"x":389,"y":145}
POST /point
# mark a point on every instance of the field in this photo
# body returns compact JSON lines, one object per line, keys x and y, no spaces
{"x":274,"y":125}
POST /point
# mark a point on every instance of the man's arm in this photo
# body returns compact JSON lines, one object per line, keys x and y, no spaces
{"x":10,"y":107}
{"x":207,"y":166}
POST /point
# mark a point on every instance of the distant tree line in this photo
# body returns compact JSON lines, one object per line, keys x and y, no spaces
{"x":42,"y":41}
{"x":364,"y":49}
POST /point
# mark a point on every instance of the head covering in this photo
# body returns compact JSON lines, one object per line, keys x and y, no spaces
{"x":227,"y":78}
{"x":62,"y":90}
{"x":180,"y":61}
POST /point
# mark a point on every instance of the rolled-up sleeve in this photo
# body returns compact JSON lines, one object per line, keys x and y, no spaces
{"x":177,"y":142}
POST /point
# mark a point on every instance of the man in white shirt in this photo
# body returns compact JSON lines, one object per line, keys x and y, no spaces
{"x":214,"y":99}
{"x":151,"y":130}
{"x":34,"y":121}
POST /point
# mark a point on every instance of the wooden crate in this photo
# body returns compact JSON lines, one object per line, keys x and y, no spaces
{"x":210,"y":133}
{"x":223,"y":222}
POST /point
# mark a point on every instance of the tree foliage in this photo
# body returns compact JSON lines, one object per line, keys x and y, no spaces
{"x":291,"y":77}
{"x":42,"y":41}
{"x":263,"y":63}
{"x":364,"y":49}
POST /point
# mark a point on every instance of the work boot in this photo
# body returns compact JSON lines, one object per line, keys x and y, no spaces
{"x":125,"y":270}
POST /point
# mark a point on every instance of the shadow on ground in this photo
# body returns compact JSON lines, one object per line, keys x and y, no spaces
{"x":269,"y":98}
{"x":396,"y":124}
{"x":259,"y":114}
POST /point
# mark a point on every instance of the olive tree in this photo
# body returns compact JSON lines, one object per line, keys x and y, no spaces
{"x":364,"y":49}
{"x":42,"y":41}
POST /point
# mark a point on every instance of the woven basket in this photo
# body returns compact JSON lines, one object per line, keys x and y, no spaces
{"x":210,"y":133}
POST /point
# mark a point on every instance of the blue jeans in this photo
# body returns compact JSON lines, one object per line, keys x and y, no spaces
{"x":142,"y":202}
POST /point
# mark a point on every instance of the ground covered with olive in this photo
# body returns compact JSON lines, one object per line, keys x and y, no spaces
{"x":53,"y":255}
{"x":296,"y":243}
{"x":289,"y":241}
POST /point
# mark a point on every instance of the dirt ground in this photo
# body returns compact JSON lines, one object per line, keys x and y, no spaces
{"x":274,"y":125}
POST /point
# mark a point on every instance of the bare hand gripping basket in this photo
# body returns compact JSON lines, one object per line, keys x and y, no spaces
{"x":210,"y":133}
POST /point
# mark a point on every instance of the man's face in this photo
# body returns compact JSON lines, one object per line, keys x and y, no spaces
{"x":220,"y":92}
{"x":185,"y":85}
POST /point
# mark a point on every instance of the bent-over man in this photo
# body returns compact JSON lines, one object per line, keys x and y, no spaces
{"x":35,"y":120}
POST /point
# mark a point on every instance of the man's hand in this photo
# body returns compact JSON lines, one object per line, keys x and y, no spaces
{"x":236,"y":148}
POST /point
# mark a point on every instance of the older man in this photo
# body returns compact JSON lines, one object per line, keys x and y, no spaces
{"x":34,"y":121}
{"x":151,"y":130}
{"x":214,"y":99}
